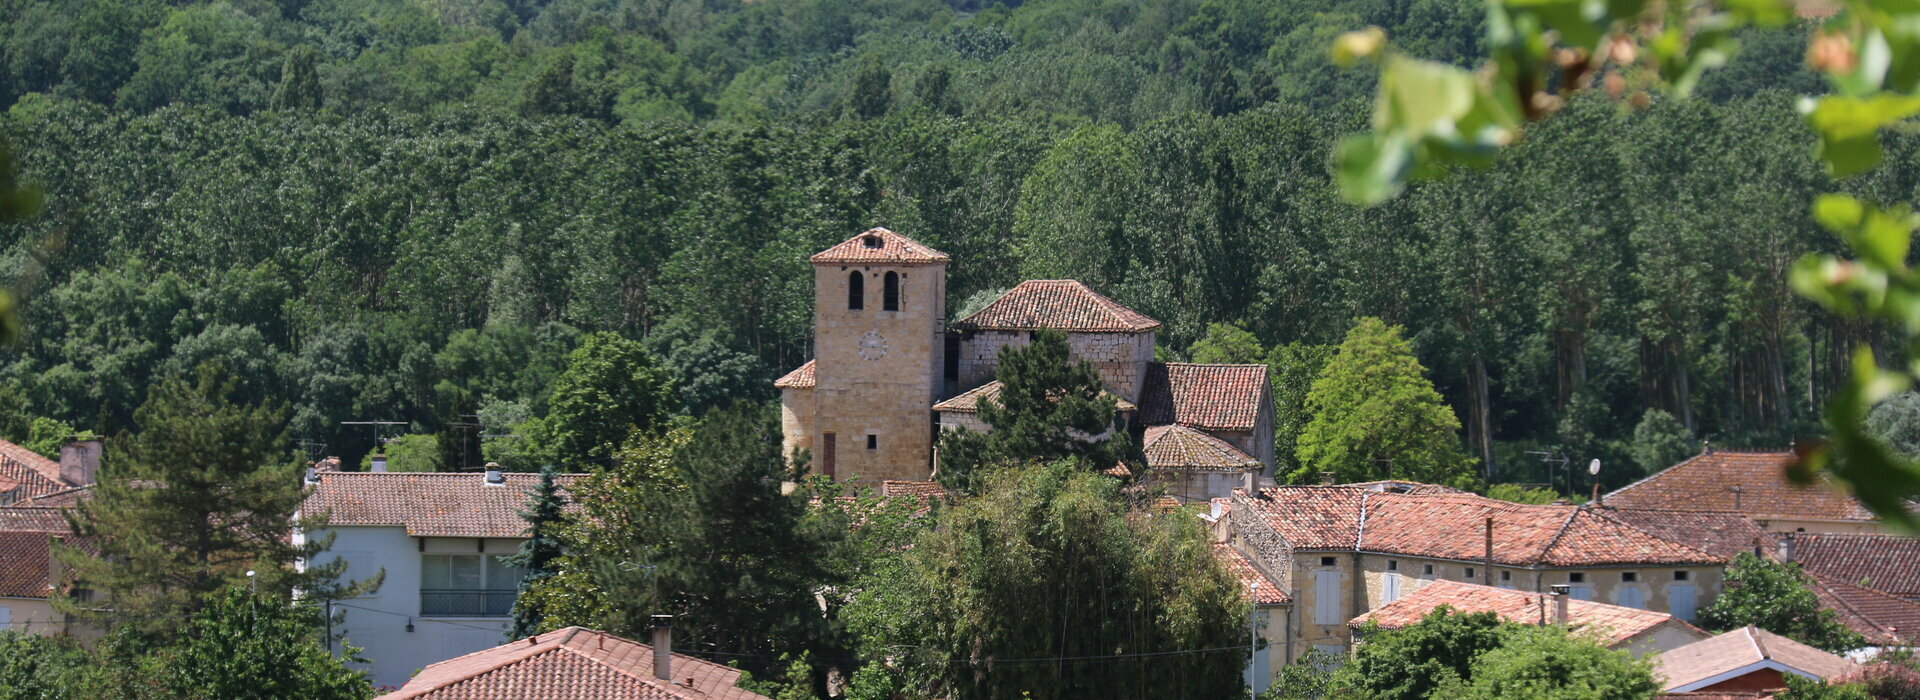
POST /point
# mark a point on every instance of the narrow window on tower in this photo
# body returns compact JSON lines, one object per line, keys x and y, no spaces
{"x":873,"y":442}
{"x":890,"y":292}
{"x":856,"y":291}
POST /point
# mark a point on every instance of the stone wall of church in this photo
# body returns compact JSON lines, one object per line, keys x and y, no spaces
{"x":877,"y":372}
{"x":1120,"y":358}
{"x":796,"y":420}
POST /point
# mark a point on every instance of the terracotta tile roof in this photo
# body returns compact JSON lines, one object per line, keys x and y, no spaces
{"x":33,"y":519}
{"x":1737,"y":695}
{"x":1612,"y":623}
{"x":24,"y":564}
{"x":32,"y":460}
{"x":1208,"y":397}
{"x":1705,"y":483}
{"x":969,"y":401}
{"x":1183,"y":448}
{"x":1679,"y":668}
{"x":800,"y":378}
{"x":428,"y":504}
{"x":1062,"y":305}
{"x":63,"y":498}
{"x":1881,"y":562}
{"x":1720,"y":534}
{"x":1398,"y":486}
{"x":20,"y":481}
{"x":1452,"y":526}
{"x":1883,"y":618}
{"x":879,"y":246}
{"x":575,"y":663}
{"x":1265,"y":591}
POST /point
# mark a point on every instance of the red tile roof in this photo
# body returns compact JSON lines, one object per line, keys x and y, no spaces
{"x":1738,"y":649}
{"x":800,"y":378}
{"x":1613,"y":623}
{"x":1183,"y":448}
{"x":1721,"y":534}
{"x":24,"y":564}
{"x":575,"y":663}
{"x":1453,"y":526}
{"x":1062,"y":305}
{"x":62,"y":498}
{"x":428,"y":504}
{"x":1881,"y":562}
{"x":1208,"y":397}
{"x":879,"y":246}
{"x":1883,"y":618}
{"x":20,"y":481}
{"x":1265,"y":591}
{"x":32,"y":460}
{"x":1399,"y":486}
{"x":33,"y":519}
{"x":969,"y":401}
{"x":1706,"y":483}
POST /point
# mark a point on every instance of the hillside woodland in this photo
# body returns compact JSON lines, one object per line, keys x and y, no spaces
{"x":414,"y":210}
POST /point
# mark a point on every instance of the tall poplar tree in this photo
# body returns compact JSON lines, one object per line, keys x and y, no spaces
{"x":202,"y":494}
{"x":1376,"y":416}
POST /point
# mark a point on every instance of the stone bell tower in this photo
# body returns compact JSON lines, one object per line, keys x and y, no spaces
{"x":879,"y":334}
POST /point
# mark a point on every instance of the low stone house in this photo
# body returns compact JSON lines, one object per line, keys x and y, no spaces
{"x":1751,"y":484}
{"x":1341,"y":551}
{"x":1640,"y":632}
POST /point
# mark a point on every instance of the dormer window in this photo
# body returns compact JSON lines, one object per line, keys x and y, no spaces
{"x":856,"y":291}
{"x":872,"y":241}
{"x":890,"y":292}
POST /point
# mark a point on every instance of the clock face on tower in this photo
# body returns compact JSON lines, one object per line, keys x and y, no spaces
{"x":873,"y":346}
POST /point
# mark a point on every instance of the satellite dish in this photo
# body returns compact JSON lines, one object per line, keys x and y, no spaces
{"x":1593,"y":467}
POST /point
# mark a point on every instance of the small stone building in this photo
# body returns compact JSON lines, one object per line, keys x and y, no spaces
{"x":889,"y":372}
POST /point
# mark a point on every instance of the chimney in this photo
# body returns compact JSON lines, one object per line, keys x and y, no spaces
{"x":1250,"y":480}
{"x":379,"y":463}
{"x":313,"y":476}
{"x":1786,"y":549}
{"x":1486,"y":576}
{"x":1326,"y":478}
{"x":80,"y":461}
{"x":493,"y":474}
{"x":663,"y":647}
{"x":1561,"y":592}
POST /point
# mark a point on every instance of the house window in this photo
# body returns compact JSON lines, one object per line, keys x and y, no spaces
{"x":1679,"y":575}
{"x":1393,"y":566}
{"x":856,"y":291}
{"x":1629,"y":577}
{"x":1576,"y":577}
{"x":467,"y":585}
{"x":1326,"y":561}
{"x":890,"y":292}
{"x":1426,"y":570}
{"x":873,"y":442}
{"x":1469,"y":572}
{"x":1506,"y":576}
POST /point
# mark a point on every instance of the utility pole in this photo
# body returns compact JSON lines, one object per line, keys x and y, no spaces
{"x":1253,"y":640}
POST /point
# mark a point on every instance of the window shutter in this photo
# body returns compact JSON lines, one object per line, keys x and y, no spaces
{"x":1326,"y":598}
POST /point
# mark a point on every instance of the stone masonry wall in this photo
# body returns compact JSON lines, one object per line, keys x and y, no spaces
{"x":1120,"y":358}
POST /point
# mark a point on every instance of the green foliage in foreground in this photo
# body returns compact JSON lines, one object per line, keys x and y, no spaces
{"x":1044,"y":566}
{"x":1477,"y":656}
{"x":1778,"y":598}
{"x":35,"y":667}
{"x":1049,"y":408}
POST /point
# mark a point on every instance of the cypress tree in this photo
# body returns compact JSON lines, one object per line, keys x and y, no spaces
{"x":538,"y":553}
{"x":299,"y":81}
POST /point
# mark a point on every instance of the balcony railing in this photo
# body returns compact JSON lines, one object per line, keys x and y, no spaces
{"x":466,"y":602}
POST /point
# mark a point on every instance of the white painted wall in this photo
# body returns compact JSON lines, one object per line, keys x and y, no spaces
{"x":377,"y":623}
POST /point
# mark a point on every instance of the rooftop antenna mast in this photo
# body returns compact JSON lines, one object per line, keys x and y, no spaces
{"x":378,"y":428}
{"x":469,"y":431}
{"x":314,"y":449}
{"x":1554,"y":457}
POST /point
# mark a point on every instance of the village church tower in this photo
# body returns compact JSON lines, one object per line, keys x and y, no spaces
{"x":879,"y":325}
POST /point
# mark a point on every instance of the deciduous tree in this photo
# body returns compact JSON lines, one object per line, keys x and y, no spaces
{"x":1376,"y":416}
{"x":1776,"y":597}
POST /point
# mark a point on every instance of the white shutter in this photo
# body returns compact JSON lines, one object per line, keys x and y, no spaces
{"x":1392,"y":587}
{"x":1326,"y":598}
{"x":1680,"y":601}
{"x":6,"y":617}
{"x":1582,"y":593}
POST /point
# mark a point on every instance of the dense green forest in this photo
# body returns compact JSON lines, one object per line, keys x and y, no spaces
{"x":413,"y":210}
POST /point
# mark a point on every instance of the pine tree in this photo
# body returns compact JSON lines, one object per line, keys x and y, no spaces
{"x":537,"y":554}
{"x":1049,"y":408}
{"x":1376,"y":416}
{"x":201,"y":495}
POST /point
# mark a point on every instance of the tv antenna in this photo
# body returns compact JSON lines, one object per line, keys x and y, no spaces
{"x":1554,"y":457}
{"x":379,"y":429}
{"x":469,"y":431}
{"x":315,"y":449}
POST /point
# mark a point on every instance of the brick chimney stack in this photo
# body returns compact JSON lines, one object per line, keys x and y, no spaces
{"x":80,"y":461}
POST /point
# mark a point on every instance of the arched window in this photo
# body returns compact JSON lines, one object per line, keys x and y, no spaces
{"x":856,"y":291}
{"x":890,"y":293}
